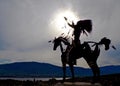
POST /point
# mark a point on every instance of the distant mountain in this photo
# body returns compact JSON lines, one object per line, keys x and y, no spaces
{"x":110,"y":69}
{"x":35,"y":69}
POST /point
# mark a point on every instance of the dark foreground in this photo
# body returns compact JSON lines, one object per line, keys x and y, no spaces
{"x":106,"y":80}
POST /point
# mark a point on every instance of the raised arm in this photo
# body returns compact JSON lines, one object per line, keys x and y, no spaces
{"x":71,"y":25}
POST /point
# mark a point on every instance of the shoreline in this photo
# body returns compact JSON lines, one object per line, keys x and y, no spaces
{"x":30,"y":78}
{"x":105,"y":80}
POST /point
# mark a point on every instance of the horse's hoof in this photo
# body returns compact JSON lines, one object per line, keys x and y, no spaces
{"x":72,"y":80}
{"x":62,"y":81}
{"x":92,"y":82}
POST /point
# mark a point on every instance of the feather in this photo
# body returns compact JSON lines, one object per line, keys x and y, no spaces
{"x":113,"y":47}
{"x":85,"y":33}
{"x":65,"y":18}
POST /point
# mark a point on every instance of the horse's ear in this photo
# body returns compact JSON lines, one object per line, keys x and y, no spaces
{"x":54,"y":40}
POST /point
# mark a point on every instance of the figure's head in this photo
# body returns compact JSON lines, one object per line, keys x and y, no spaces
{"x":86,"y":25}
{"x":106,"y":42}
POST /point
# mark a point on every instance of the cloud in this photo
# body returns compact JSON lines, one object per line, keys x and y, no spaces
{"x":21,"y":27}
{"x":25,"y":28}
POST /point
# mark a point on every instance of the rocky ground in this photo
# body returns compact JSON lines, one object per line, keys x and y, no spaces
{"x":106,"y":80}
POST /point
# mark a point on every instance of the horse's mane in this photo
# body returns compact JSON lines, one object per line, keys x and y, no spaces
{"x":64,"y":40}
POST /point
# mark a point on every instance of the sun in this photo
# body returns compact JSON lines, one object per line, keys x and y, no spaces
{"x":61,"y":24}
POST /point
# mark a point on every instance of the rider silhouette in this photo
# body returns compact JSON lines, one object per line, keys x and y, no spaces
{"x":82,"y":26}
{"x":76,"y":32}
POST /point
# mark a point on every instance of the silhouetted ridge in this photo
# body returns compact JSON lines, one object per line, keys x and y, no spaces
{"x":36,"y":69}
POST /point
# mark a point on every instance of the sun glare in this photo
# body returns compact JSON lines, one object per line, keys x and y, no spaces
{"x":61,"y":24}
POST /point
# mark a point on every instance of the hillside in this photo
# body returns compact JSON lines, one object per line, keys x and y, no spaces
{"x":35,"y":69}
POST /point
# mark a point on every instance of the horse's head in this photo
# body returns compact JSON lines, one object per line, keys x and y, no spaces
{"x":106,"y":42}
{"x":56,"y":42}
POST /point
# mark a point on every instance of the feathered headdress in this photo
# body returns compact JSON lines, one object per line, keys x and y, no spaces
{"x":85,"y":26}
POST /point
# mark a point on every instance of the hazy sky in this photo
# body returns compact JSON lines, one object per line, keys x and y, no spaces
{"x":26,"y":26}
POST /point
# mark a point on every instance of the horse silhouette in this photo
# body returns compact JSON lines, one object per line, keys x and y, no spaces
{"x":71,"y":54}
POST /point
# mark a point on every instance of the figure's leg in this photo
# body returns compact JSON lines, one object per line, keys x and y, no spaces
{"x":72,"y":71}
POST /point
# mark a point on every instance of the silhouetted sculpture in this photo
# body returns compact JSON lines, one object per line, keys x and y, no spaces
{"x":70,"y":55}
{"x":77,"y":50}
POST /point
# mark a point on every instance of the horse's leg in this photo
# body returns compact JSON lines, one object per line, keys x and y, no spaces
{"x":64,"y":72}
{"x":72,"y":71}
{"x":95,"y":70}
{"x":93,"y":64}
{"x":63,"y":60}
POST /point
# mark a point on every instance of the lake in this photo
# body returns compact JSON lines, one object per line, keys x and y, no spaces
{"x":31,"y":79}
